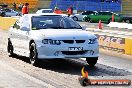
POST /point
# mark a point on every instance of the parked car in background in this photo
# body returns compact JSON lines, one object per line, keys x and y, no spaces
{"x":127,"y":19}
{"x":10,"y":12}
{"x":45,"y":11}
{"x":2,"y":13}
{"x":51,"y":36}
{"x":104,"y":16}
{"x":79,"y":17}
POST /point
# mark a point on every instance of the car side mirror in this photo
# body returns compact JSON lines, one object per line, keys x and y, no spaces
{"x":25,"y":29}
{"x":12,"y":26}
{"x":83,"y":27}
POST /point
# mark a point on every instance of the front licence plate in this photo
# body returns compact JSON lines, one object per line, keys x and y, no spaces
{"x":75,"y":48}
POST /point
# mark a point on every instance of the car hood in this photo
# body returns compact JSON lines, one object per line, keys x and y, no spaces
{"x":62,"y":34}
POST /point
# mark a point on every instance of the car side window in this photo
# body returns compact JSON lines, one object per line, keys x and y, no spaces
{"x":25,"y":22}
{"x":109,"y":13}
{"x":17,"y":25}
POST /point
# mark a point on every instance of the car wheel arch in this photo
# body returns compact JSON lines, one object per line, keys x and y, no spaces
{"x":89,"y":19}
{"x":33,"y":58}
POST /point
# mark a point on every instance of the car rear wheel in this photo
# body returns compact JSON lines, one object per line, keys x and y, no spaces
{"x":33,"y":54}
{"x":10,"y":48}
{"x":92,"y":61}
{"x":75,"y":18}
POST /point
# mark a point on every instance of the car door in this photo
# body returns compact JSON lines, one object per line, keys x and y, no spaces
{"x":101,"y":16}
{"x":94,"y":17}
{"x":24,"y":34}
{"x":8,"y":12}
{"x":106,"y":16}
{"x":80,"y":16}
{"x":14,"y":34}
{"x":11,"y":13}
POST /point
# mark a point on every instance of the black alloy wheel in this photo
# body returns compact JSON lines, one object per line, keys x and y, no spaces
{"x":92,"y":61}
{"x":10,"y":48}
{"x":33,"y":54}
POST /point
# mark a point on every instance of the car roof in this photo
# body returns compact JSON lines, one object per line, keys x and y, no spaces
{"x":106,"y":11}
{"x":41,"y":14}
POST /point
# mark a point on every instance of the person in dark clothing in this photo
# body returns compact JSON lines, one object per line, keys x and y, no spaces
{"x":20,"y":6}
{"x":14,"y":6}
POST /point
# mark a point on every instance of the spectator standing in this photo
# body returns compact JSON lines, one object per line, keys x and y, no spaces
{"x":25,"y":9}
{"x":20,"y":6}
{"x":14,"y":6}
{"x":70,"y":11}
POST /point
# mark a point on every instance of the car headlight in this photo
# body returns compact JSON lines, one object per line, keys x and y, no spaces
{"x":92,"y":41}
{"x":50,"y":41}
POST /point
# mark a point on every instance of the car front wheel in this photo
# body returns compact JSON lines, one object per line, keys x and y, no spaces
{"x":88,"y":20}
{"x":127,"y":21}
{"x":10,"y":48}
{"x":33,"y":54}
{"x":92,"y":61}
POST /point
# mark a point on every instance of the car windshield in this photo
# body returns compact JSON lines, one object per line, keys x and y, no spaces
{"x":53,"y":22}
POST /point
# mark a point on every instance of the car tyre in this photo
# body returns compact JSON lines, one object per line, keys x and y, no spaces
{"x":3,"y":14}
{"x":10,"y":48}
{"x":92,"y":61}
{"x":33,"y":55}
{"x":88,"y":20}
{"x":110,"y":20}
{"x":75,"y":18}
{"x":127,"y":21}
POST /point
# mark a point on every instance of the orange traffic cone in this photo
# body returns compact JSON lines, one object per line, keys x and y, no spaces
{"x":113,"y":18}
{"x":100,"y":25}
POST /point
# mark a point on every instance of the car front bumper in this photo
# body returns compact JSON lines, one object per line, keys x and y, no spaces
{"x":62,"y":51}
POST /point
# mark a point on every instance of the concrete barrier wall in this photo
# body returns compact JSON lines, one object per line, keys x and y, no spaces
{"x":128,"y":46}
{"x":6,"y":22}
{"x":113,"y":43}
{"x":116,"y":44}
{"x":117,"y":37}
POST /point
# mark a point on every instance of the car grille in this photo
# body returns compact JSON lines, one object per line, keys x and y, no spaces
{"x":80,"y":41}
{"x":72,"y":41}
{"x":73,"y":52}
{"x":68,"y":41}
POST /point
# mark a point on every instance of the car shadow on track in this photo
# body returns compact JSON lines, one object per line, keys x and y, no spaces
{"x":74,"y":67}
